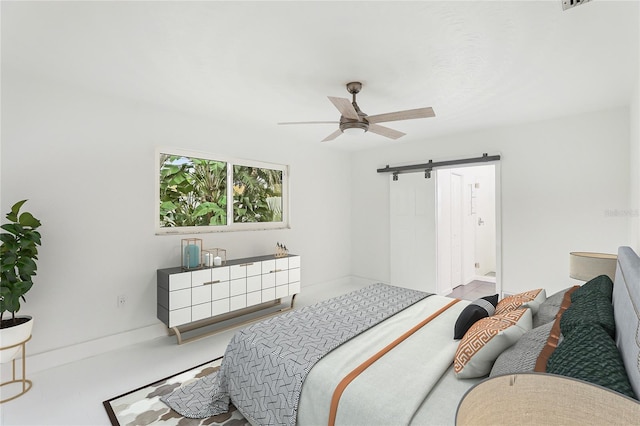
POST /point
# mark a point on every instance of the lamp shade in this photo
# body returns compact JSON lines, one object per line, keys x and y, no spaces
{"x":585,"y":265}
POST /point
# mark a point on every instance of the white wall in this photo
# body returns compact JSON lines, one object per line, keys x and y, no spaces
{"x":86,"y":164}
{"x":559,"y":179}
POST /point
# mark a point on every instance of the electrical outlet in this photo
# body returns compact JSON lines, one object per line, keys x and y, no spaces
{"x":122,"y":301}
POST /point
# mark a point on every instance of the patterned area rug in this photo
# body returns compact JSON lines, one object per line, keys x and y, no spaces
{"x":143,"y":406}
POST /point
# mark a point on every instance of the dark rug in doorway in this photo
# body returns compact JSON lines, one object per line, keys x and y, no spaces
{"x":142,"y":406}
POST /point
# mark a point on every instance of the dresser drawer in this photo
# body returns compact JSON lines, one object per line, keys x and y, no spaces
{"x":199,"y":278}
{"x":238,"y":302}
{"x":179,"y":299}
{"x":238,"y":287}
{"x":220,"y":273}
{"x":269,"y":280}
{"x":179,"y":317}
{"x":219,"y":307}
{"x":294,"y":275}
{"x":269,"y":294}
{"x":179,"y":281}
{"x":220,"y":290}
{"x":294,"y":288}
{"x":294,"y":262}
{"x":201,"y":294}
{"x":268,"y":266}
{"x":254,"y":298}
{"x":199,"y":312}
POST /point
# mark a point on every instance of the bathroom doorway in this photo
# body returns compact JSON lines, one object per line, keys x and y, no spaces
{"x":467,"y":231}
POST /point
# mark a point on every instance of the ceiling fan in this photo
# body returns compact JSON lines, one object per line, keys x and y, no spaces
{"x":353,"y":120}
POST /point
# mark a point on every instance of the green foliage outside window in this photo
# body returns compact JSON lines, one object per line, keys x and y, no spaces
{"x":194,"y":192}
{"x":257,"y":194}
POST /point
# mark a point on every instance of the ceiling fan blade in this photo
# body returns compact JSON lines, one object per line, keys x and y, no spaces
{"x":402,"y":115}
{"x":385,"y":131}
{"x":310,"y":122}
{"x":345,"y":107}
{"x":332,"y":136}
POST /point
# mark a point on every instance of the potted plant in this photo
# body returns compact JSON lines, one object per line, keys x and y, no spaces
{"x":18,"y":254}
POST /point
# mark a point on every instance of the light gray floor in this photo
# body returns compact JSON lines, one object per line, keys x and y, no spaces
{"x":72,"y":394}
{"x":474,"y":290}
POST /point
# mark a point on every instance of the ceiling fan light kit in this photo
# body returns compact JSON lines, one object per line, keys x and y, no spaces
{"x":355,"y":122}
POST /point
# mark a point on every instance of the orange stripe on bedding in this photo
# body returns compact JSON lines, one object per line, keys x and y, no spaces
{"x":337,"y":393}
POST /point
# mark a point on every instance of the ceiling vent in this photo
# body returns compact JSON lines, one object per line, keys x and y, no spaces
{"x":568,"y":4}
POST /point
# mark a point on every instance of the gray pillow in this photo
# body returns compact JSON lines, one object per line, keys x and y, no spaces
{"x":549,"y":309}
{"x":522,"y":357}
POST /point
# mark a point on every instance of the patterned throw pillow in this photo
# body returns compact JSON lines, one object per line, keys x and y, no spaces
{"x":476,"y":310}
{"x":522,"y":357}
{"x":590,"y":354}
{"x":529,"y":299}
{"x":488,"y":338}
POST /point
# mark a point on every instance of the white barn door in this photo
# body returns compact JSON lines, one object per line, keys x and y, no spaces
{"x":413,"y":232}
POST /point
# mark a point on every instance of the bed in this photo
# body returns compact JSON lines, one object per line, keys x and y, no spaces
{"x":401,"y":365}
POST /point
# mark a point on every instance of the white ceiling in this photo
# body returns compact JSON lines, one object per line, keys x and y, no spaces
{"x":478,"y":64}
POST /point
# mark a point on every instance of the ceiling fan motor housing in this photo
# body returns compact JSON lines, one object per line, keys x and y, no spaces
{"x":347,"y":123}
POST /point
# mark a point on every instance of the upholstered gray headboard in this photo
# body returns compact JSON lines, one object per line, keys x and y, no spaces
{"x":626,"y":309}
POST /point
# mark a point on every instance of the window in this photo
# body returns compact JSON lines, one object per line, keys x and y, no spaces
{"x":194,"y":190}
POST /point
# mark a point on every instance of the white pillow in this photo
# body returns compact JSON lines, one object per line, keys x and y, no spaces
{"x":487,"y":339}
{"x":529,"y":299}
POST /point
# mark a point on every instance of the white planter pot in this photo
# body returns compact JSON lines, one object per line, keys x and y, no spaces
{"x":14,"y":335}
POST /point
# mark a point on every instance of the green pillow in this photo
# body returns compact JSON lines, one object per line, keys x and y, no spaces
{"x":590,"y":308}
{"x":590,"y":354}
{"x":600,"y":284}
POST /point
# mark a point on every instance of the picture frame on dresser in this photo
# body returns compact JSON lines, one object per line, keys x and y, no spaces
{"x":241,"y":291}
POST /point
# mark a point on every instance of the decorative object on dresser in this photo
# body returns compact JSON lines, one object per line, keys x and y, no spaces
{"x":190,"y":300}
{"x":214,"y":257}
{"x":586,"y":265}
{"x":281,"y":250}
{"x":19,"y":252}
{"x":191,"y":252}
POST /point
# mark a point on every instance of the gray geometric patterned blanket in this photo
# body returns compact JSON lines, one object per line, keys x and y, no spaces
{"x":266,"y":363}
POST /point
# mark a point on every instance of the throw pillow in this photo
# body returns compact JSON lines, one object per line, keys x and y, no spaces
{"x":488,"y":338}
{"x":529,"y":299}
{"x":522,"y":357}
{"x":590,"y":308}
{"x":476,"y":310}
{"x":590,"y":354}
{"x":548,"y":309}
{"x":555,"y":335}
{"x":601,"y":284}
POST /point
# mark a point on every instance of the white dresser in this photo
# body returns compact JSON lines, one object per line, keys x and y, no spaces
{"x":188,"y":296}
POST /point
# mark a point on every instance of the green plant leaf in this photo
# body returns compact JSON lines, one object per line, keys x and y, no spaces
{"x":13,"y":216}
{"x":27,"y":219}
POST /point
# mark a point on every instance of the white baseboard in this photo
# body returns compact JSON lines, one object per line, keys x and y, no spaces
{"x":485,"y":278}
{"x":60,"y":356}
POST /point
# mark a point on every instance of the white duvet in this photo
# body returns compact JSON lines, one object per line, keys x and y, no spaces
{"x":396,"y":389}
